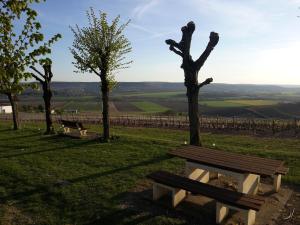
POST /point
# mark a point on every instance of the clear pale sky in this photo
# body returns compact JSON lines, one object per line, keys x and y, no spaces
{"x":259,"y":39}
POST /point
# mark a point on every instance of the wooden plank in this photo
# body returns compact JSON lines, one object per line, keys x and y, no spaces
{"x":226,"y":154}
{"x":227,"y":160}
{"x":227,"y":165}
{"x":223,"y":195}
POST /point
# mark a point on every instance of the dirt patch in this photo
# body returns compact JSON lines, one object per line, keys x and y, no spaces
{"x":13,"y":216}
{"x":197,"y":209}
{"x":290,"y":214}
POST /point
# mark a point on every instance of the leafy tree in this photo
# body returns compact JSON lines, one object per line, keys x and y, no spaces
{"x":20,"y":47}
{"x":191,"y":69}
{"x":100,"y":48}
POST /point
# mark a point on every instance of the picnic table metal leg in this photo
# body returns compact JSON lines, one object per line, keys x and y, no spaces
{"x":277,"y":182}
{"x":195,"y":173}
{"x":248,"y":183}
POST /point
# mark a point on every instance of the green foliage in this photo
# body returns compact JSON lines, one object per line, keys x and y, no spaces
{"x":19,"y":48}
{"x":100,"y":48}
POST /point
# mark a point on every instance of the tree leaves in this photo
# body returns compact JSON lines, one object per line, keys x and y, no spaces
{"x":20,"y":49}
{"x":100,"y":48}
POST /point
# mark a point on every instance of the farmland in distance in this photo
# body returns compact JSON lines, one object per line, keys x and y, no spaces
{"x":159,"y":98}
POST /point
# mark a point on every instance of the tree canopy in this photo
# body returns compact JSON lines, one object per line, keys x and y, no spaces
{"x":100,"y":48}
{"x":21,"y":43}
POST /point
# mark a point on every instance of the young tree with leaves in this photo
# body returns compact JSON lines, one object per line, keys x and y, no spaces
{"x":19,"y":48}
{"x":191,"y":69}
{"x":100,"y":48}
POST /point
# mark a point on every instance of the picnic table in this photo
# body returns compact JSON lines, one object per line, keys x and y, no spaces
{"x":67,"y":125}
{"x":203,"y":164}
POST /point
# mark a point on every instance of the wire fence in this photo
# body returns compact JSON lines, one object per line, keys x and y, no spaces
{"x":289,"y":128}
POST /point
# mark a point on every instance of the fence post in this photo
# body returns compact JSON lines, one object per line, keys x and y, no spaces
{"x":295,"y":126}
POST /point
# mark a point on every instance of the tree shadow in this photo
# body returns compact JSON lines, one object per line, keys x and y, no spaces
{"x":19,"y":137}
{"x":85,"y":142}
{"x":44,"y":189}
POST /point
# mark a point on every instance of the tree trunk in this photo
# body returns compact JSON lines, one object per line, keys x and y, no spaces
{"x":192,"y":95}
{"x":14,"y":104}
{"x":47,"y":100}
{"x":105,"y":110}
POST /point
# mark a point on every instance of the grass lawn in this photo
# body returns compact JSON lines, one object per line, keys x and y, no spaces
{"x":33,"y":166}
{"x":238,"y":103}
{"x":150,"y":107}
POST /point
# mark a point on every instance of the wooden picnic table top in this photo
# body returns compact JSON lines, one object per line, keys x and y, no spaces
{"x":230,"y":161}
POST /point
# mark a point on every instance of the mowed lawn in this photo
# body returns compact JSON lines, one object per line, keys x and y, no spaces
{"x":238,"y":102}
{"x":58,"y":180}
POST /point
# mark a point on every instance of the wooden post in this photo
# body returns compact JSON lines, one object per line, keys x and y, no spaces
{"x":295,"y":126}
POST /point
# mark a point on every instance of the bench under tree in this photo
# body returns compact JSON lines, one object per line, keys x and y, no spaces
{"x":76,"y":125}
{"x":165,"y":182}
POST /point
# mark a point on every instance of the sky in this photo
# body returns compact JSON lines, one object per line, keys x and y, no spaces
{"x":259,"y":39}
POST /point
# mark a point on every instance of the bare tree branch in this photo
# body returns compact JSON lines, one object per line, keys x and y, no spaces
{"x":95,"y":71}
{"x":37,"y":78}
{"x":206,"y":82}
{"x":176,"y":51}
{"x":213,"y":41}
{"x":38,"y":72}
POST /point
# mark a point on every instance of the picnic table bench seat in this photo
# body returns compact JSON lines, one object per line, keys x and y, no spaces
{"x":67,"y":124}
{"x":226,"y":199}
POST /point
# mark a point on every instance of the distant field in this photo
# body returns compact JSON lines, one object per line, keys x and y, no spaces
{"x":238,"y":103}
{"x":156,"y":94}
{"x":83,"y":106}
{"x":150,"y":107}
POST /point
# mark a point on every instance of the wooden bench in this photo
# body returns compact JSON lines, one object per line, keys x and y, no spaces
{"x":226,"y":199}
{"x":202,"y":162}
{"x":67,"y":125}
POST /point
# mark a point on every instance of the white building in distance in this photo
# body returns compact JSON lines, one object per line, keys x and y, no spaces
{"x":5,"y":107}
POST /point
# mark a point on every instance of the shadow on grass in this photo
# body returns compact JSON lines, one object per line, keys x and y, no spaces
{"x":20,"y":137}
{"x":46,"y":189}
{"x":77,"y":144}
{"x":5,"y":130}
{"x":138,"y":207}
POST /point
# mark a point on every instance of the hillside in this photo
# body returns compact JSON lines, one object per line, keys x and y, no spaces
{"x":92,"y":88}
{"x":240,"y":100}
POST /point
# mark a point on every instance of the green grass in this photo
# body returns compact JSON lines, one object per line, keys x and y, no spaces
{"x":150,"y":107}
{"x":165,"y":94}
{"x":100,"y":174}
{"x":238,"y":103}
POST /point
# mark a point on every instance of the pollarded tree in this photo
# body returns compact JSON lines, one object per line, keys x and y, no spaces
{"x":191,"y":69}
{"x":20,"y":47}
{"x":45,"y":80}
{"x":100,"y":48}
